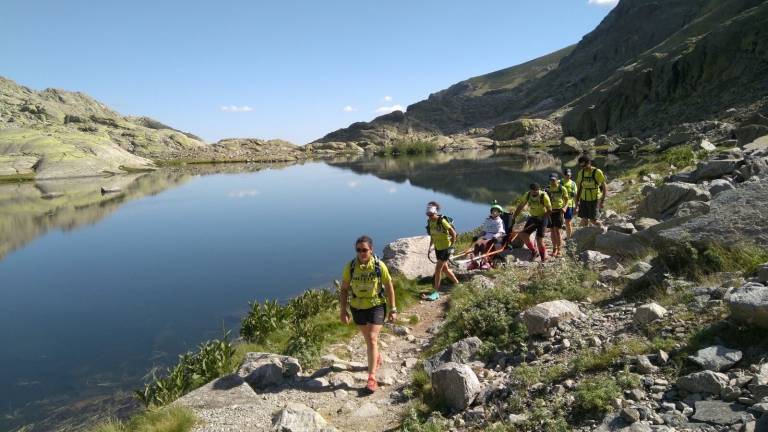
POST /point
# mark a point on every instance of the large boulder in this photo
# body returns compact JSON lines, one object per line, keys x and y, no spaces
{"x":734,"y":216}
{"x":692,"y":209}
{"x":719,"y":413}
{"x":585,"y":237}
{"x":620,"y":244}
{"x":713,"y":169}
{"x":408,"y":256}
{"x":703,"y":382}
{"x":749,"y":133}
{"x":296,"y":417}
{"x":753,"y":166}
{"x":720,"y":185}
{"x":262,"y":370}
{"x":571,"y":145}
{"x":716,"y":358}
{"x":537,"y":129}
{"x":543,"y":318}
{"x":455,"y":386}
{"x":663,"y":201}
{"x":220,"y":393}
{"x":597,"y":260}
{"x":749,"y":304}
{"x":460,"y":352}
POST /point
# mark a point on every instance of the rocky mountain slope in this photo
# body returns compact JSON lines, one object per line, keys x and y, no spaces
{"x":649,"y":64}
{"x":59,"y":134}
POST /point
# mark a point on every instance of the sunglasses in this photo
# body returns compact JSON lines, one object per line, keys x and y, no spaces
{"x":361,"y":250}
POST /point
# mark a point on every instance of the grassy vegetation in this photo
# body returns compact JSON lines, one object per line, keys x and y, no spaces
{"x":594,"y":395}
{"x":16,"y":178}
{"x":211,"y":360}
{"x":696,"y":261}
{"x":410,"y":147}
{"x":170,"y":419}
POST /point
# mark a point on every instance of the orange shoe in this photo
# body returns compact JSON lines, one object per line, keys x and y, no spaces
{"x":372,"y":385}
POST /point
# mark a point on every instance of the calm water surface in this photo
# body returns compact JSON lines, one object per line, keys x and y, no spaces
{"x":95,"y":291}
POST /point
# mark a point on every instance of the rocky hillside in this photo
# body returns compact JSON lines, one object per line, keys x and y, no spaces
{"x":648,"y":65}
{"x":58,"y":134}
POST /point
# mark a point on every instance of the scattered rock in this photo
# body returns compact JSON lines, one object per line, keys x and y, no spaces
{"x":703,"y":382}
{"x":296,"y":417}
{"x":714,"y":169}
{"x":619,"y":244}
{"x":543,"y":318}
{"x":664,"y":200}
{"x":631,"y":415}
{"x":719,"y":185}
{"x":648,"y":313}
{"x":598,"y":260}
{"x":716,"y":358}
{"x":722,"y":413}
{"x":262,"y":370}
{"x":749,"y":304}
{"x":455,"y":385}
{"x":460,"y":352}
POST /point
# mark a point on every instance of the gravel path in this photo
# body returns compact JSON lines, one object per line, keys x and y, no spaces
{"x":230,"y":405}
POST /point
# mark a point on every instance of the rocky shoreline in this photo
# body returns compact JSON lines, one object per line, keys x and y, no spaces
{"x":656,"y":350}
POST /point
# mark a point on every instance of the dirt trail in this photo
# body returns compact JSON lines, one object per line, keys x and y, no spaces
{"x":230,"y":405}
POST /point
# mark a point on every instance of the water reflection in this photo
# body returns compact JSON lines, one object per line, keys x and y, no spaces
{"x":477,"y":176}
{"x":31,"y":209}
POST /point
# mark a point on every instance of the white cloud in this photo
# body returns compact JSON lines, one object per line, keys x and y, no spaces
{"x":247,"y":193}
{"x":349,"y":108}
{"x":610,"y":3}
{"x":387,"y":98}
{"x":389,"y":109}
{"x":235,"y":108}
{"x":353,"y":183}
{"x":392,"y":190}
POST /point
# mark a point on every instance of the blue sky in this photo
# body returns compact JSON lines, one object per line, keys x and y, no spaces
{"x":280,"y":69}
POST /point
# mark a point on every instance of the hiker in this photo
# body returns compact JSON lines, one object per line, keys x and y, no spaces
{"x":570,"y":185}
{"x":558,"y":196}
{"x":372,"y":298}
{"x":442,"y":235}
{"x":492,"y":232}
{"x":539,"y":208}
{"x":591,"y":193}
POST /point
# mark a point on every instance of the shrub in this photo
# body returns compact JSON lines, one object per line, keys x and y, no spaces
{"x":680,"y":156}
{"x":411,"y":147}
{"x":262,"y":320}
{"x":594,"y":395}
{"x":491,"y":316}
{"x":211,"y":360}
{"x":696,"y":261}
{"x":562,"y":281}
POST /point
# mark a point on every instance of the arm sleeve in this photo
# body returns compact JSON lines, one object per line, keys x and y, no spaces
{"x":345,"y":273}
{"x":445,"y":224}
{"x":385,"y":276}
{"x":547,"y":201}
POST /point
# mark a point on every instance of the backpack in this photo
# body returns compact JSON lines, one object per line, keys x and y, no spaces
{"x":541,"y":197}
{"x":442,"y":218}
{"x":377,"y":269}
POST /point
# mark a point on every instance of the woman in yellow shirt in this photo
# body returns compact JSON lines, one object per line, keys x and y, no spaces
{"x":367,"y":281}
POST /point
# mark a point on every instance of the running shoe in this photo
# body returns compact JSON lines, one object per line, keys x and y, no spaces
{"x":372,"y":385}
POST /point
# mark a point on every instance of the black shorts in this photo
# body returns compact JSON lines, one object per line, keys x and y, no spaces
{"x":588,"y":210}
{"x":444,"y":254}
{"x":536,"y":223}
{"x":374,"y":315}
{"x":556,"y":218}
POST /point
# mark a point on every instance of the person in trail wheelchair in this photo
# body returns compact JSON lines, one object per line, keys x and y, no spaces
{"x":491,"y":242}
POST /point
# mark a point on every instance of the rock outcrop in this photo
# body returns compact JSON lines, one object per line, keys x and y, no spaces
{"x":408,"y":256}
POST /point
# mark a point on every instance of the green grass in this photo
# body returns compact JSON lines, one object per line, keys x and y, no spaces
{"x":696,"y":261}
{"x":410,"y":147}
{"x":594,"y":395}
{"x":591,"y":360}
{"x":170,"y":419}
{"x":17,"y":178}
